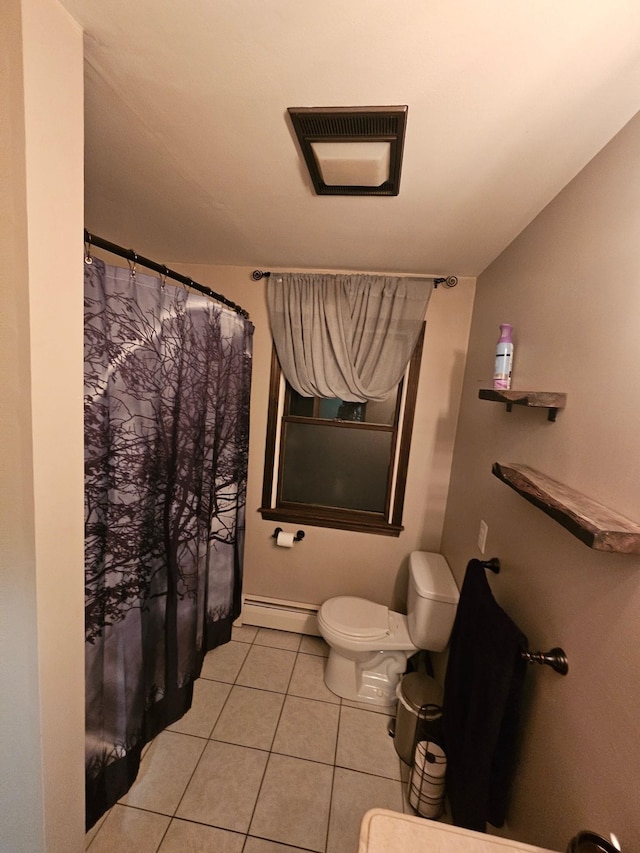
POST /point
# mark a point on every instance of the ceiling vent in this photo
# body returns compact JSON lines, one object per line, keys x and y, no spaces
{"x":352,"y":150}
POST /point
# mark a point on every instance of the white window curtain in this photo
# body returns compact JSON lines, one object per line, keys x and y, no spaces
{"x":345,"y":336}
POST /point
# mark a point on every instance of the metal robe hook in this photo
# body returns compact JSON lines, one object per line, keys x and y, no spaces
{"x":493,"y":565}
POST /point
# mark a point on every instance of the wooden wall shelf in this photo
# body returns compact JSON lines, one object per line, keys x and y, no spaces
{"x":594,"y":524}
{"x":550,"y":400}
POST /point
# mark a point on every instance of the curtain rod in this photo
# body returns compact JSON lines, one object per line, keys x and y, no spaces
{"x":130,"y":255}
{"x":449,"y":281}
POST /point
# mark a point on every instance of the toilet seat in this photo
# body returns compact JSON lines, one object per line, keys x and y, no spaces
{"x":357,"y":618}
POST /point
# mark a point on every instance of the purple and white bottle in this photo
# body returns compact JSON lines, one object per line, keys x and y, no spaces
{"x":504,"y":359}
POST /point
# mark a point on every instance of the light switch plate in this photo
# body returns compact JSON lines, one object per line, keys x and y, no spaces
{"x":482,"y":536}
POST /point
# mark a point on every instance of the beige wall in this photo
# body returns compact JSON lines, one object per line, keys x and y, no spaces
{"x":41,"y":628}
{"x":569,"y":285}
{"x":335,"y":562}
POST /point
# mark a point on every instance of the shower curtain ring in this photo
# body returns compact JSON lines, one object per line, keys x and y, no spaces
{"x":132,"y":266}
{"x":87,"y":253}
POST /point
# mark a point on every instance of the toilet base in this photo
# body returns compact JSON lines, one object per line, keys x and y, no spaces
{"x":372,"y":681}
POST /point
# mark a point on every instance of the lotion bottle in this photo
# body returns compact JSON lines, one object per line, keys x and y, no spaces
{"x":504,"y":359}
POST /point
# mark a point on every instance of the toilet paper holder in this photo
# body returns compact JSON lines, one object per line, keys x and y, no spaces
{"x":299,"y":535}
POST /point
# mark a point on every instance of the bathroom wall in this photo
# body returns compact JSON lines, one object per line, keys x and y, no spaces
{"x":335,"y":562}
{"x":569,"y":285}
{"x":41,"y":531}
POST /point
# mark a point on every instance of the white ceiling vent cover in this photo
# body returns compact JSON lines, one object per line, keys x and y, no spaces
{"x":352,"y":150}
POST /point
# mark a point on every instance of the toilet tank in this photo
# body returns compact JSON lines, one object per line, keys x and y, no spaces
{"x":432,"y":600}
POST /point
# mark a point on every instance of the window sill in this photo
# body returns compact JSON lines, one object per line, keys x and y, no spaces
{"x":355,"y":521}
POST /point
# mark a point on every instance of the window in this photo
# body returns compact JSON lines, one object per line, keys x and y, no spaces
{"x":339,"y":464}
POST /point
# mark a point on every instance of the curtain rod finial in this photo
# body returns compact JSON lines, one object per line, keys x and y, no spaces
{"x":449,"y":281}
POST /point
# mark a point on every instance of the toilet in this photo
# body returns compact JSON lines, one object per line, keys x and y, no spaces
{"x":369,"y":645}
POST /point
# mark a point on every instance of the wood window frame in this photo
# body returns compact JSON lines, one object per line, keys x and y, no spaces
{"x":386,"y":524}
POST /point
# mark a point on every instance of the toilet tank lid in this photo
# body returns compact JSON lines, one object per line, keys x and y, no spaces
{"x":432,"y":577}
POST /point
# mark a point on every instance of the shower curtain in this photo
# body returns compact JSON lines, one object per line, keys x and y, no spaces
{"x":167,"y":382}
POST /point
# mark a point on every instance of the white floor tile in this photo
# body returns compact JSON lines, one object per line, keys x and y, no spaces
{"x":91,"y":834}
{"x":249,"y":718}
{"x":387,"y":710}
{"x":353,"y":795}
{"x":308,"y":729}
{"x":307,"y":680}
{"x":278,"y":639}
{"x":130,"y":830}
{"x":259,"y":845}
{"x":164,"y":772}
{"x":293,"y":806}
{"x":208,"y":700}
{"x":364,"y":744}
{"x":185,"y":837}
{"x":314,"y":646}
{"x":267,"y":669}
{"x":224,"y":787}
{"x":244,"y":633}
{"x":224,"y":662}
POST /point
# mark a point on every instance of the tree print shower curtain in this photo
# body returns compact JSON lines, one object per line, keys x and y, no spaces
{"x":167,"y":382}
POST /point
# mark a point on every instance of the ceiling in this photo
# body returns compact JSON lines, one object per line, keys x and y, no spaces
{"x":190,"y":156}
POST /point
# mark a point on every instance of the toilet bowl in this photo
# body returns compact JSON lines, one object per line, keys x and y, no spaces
{"x":369,"y":645}
{"x":368,"y":649}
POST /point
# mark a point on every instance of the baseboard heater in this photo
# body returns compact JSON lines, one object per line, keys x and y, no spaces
{"x":276,"y":613}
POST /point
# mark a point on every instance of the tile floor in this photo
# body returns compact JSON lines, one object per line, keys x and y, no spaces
{"x":267,"y":760}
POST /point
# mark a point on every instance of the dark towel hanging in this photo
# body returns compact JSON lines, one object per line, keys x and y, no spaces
{"x":481,"y":708}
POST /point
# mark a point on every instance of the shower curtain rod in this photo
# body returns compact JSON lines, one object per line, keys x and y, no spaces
{"x":132,"y":257}
{"x":449,"y":281}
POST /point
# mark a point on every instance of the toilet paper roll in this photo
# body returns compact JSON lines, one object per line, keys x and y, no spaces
{"x":285,"y":540}
{"x":426,"y":785}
